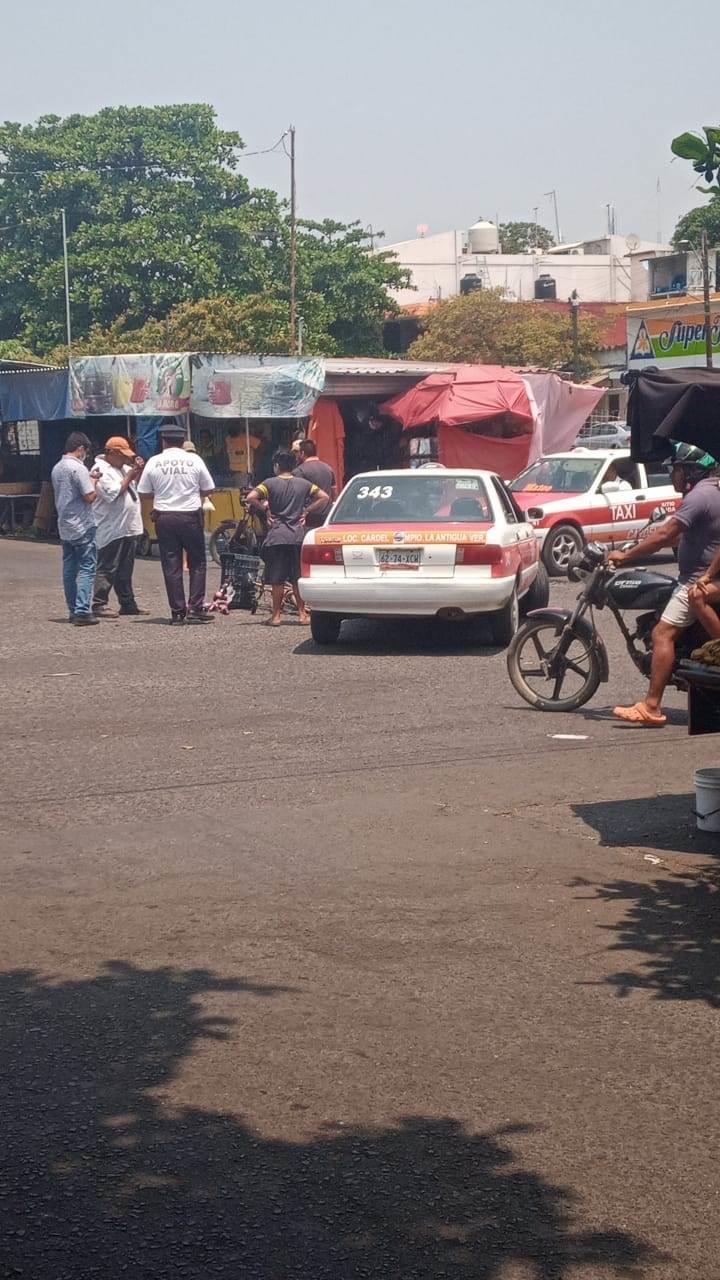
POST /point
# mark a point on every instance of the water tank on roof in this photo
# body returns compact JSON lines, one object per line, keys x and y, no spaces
{"x":470,"y":282}
{"x":483,"y":238}
{"x":546,"y":287}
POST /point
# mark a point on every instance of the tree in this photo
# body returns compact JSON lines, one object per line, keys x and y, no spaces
{"x":257,"y":324}
{"x":521,"y":237}
{"x":704,"y":218}
{"x":704,"y":153}
{"x":10,"y":349}
{"x":158,"y":215}
{"x":482,"y":328}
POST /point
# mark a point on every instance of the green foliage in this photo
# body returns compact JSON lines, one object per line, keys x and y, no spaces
{"x":692,"y":224}
{"x":158,"y":216}
{"x":11,"y":349}
{"x":256,"y":324}
{"x":482,"y":328}
{"x":521,"y":237}
{"x":703,"y":151}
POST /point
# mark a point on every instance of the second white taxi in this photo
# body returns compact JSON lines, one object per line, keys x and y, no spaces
{"x":424,"y":543}
{"x":589,"y":495}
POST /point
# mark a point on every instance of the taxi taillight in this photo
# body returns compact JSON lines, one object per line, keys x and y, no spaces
{"x":315,"y":553}
{"x":478,"y":553}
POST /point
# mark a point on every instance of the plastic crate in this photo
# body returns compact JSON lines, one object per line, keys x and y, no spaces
{"x":244,"y":573}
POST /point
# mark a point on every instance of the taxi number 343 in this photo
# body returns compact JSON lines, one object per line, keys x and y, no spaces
{"x":377,"y":491}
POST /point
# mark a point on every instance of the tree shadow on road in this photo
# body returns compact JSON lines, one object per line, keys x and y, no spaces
{"x":665,"y":822}
{"x":100,"y":1178}
{"x":672,"y":928}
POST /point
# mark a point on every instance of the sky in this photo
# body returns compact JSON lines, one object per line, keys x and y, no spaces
{"x":408,"y":112}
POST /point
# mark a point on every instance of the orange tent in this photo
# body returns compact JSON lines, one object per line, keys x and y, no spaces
{"x":327,"y":429}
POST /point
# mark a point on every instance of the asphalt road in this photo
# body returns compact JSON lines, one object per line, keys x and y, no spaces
{"x":343,"y":964}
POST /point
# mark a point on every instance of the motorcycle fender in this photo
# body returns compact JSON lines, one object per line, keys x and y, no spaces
{"x":583,"y":628}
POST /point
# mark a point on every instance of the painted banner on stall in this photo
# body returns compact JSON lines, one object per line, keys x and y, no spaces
{"x":142,"y":385}
{"x":255,"y":386}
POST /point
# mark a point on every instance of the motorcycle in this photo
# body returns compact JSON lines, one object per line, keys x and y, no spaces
{"x":557,"y":659}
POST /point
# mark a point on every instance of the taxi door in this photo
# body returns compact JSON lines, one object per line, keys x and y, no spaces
{"x":520,"y":533}
{"x":632,"y":508}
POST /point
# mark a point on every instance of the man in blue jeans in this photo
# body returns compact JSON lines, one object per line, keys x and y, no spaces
{"x":74,"y":490}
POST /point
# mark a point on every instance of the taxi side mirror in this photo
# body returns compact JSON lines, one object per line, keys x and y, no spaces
{"x":610,"y":486}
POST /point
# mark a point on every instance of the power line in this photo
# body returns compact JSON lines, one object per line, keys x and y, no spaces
{"x":132,"y":168}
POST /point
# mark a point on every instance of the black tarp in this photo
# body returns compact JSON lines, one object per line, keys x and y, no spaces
{"x":677,"y":404}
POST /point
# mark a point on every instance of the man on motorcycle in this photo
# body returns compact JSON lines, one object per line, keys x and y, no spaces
{"x":695,"y":529}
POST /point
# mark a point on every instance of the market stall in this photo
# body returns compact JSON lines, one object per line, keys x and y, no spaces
{"x":495,"y":418}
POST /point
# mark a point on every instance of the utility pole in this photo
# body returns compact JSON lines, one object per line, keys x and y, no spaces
{"x":706,"y":300}
{"x":67,"y":283}
{"x":293,"y":245}
{"x":574,"y":303}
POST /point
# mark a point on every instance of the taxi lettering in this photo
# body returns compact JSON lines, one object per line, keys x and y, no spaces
{"x":625,"y":511}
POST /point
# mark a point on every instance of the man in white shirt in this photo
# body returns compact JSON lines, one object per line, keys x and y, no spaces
{"x":179,"y":482}
{"x":118,"y":517}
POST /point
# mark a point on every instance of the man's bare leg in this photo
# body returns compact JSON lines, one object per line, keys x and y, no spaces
{"x":663,"y":661}
{"x":649,"y":711}
{"x":303,"y":614}
{"x":703,"y":604}
{"x":278,"y":592}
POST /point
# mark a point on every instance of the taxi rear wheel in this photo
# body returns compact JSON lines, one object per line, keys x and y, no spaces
{"x":562,"y":543}
{"x":538,"y":595}
{"x":506,"y":621}
{"x":325,"y":627}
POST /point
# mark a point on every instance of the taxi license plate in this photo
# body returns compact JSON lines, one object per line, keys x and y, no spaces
{"x":398,"y":559}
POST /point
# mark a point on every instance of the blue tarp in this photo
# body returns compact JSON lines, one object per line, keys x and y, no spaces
{"x":43,"y":396}
{"x":146,"y":437}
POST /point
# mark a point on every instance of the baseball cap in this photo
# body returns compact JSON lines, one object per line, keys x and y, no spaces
{"x":121,"y":445}
{"x":189,"y":447}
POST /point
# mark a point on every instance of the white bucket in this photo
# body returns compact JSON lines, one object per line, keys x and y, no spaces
{"x":707,"y":799}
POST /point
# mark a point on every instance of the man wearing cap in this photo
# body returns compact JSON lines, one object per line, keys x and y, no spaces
{"x":179,"y":482}
{"x":118,"y":517}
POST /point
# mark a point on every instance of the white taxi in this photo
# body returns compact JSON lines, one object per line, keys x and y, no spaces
{"x":425,"y":543}
{"x":589,"y":495}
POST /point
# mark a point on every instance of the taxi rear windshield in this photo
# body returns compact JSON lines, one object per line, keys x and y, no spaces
{"x":414,"y":497}
{"x":558,"y":475}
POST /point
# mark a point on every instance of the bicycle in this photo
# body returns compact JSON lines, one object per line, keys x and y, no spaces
{"x":242,"y":536}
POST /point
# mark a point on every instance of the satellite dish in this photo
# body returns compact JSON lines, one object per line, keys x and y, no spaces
{"x":632,"y":242}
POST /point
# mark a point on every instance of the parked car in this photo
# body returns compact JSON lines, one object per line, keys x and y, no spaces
{"x":425,"y":543}
{"x":589,"y":496}
{"x":603,"y":435}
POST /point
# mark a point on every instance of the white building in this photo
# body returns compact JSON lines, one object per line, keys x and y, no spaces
{"x":454,"y":262}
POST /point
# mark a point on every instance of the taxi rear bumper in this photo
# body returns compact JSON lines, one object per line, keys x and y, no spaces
{"x":392,"y":595}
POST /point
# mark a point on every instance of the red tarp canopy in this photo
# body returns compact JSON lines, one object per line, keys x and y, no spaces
{"x":471,"y":393}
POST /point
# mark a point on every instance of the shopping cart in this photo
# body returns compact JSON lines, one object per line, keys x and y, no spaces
{"x":245,"y":575}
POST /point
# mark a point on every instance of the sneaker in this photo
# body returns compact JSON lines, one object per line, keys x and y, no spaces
{"x":104,"y":611}
{"x":134,"y":611}
{"x":201,"y":617}
{"x":177,"y":620}
{"x":85,"y":620}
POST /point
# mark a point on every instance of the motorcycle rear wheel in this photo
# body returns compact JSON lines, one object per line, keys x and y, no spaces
{"x":543,"y":678}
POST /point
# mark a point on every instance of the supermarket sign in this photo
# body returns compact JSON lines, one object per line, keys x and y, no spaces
{"x":675,"y":341}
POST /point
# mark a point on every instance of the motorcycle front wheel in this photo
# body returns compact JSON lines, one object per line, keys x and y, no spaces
{"x":547,"y":678}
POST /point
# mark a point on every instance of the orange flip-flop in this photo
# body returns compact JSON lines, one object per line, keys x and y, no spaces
{"x":638,"y":713}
